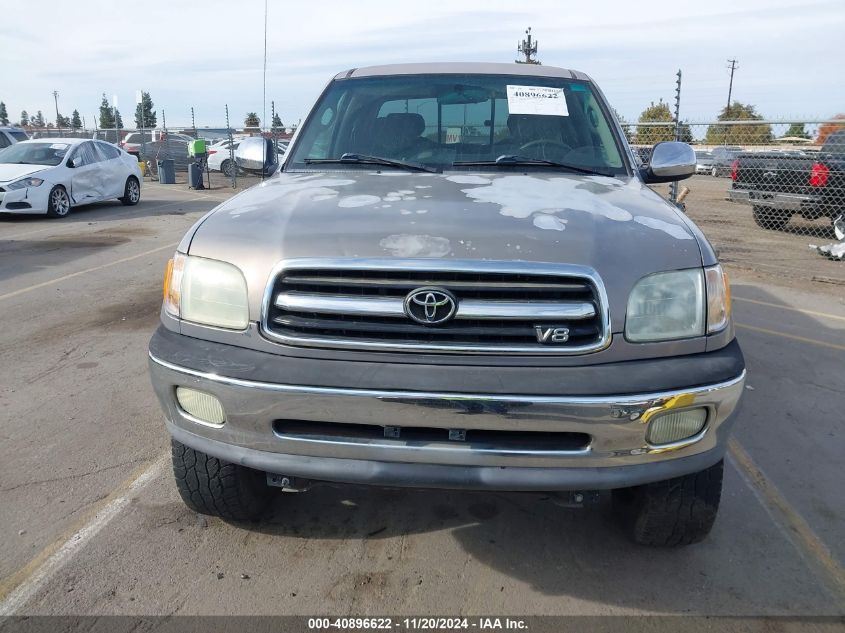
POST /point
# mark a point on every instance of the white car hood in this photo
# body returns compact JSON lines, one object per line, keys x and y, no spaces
{"x":9,"y":171}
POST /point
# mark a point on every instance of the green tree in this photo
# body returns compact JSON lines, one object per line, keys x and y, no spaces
{"x":651,"y":134}
{"x":277,"y":121}
{"x":38,"y":119}
{"x":686,"y":133}
{"x":106,"y":114}
{"x":747,"y":134}
{"x":251,"y":120}
{"x":62,"y":121}
{"x":117,"y":120}
{"x":797,"y":130}
{"x":75,"y":120}
{"x":24,"y":118}
{"x":145,"y":116}
{"x":4,"y":116}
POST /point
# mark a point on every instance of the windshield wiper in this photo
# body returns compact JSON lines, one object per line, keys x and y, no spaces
{"x":372,"y":160}
{"x":515,"y":159}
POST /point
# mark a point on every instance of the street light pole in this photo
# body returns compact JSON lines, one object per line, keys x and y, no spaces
{"x":56,"y":99}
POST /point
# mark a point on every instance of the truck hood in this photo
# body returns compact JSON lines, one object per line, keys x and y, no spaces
{"x":11,"y":171}
{"x":618,"y":227}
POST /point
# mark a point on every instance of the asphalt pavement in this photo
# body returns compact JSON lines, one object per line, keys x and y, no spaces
{"x":92,"y":523}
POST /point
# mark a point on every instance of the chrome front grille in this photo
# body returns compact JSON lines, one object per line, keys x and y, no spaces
{"x":500,"y":307}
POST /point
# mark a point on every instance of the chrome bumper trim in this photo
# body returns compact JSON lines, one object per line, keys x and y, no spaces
{"x":776,"y":201}
{"x":616,"y":424}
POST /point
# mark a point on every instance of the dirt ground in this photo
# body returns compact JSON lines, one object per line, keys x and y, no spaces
{"x":783,"y":257}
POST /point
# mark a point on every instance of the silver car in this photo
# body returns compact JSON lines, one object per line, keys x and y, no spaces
{"x":456,"y":279}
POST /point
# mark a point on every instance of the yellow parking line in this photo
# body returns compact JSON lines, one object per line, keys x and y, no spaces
{"x":824,"y":315}
{"x":21,"y":291}
{"x":810,"y":545}
{"x":793,"y":337}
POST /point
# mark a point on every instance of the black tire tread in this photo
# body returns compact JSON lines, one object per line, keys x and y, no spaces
{"x":674,"y":512}
{"x":124,"y":199}
{"x":209,"y":485}
{"x":770,"y":220}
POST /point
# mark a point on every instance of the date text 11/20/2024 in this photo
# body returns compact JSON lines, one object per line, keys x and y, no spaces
{"x":418,"y":624}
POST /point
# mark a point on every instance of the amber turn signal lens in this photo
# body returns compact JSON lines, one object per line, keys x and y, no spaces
{"x":168,"y":271}
{"x":172,"y":289}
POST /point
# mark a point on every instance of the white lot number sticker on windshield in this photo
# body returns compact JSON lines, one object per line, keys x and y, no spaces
{"x":58,"y":146}
{"x":537,"y":100}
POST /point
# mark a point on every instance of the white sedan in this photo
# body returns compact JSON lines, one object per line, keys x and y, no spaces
{"x":51,"y":175}
{"x":219,"y":158}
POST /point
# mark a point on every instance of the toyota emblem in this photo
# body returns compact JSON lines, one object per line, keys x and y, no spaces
{"x":430,"y":306}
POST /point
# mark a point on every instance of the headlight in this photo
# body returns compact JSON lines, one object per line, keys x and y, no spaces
{"x":666,"y":306}
{"x":718,"y":298}
{"x":206,"y":291}
{"x":25,"y":182}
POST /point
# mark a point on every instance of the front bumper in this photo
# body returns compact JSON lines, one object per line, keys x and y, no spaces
{"x":617,"y":454}
{"x":26,"y":200}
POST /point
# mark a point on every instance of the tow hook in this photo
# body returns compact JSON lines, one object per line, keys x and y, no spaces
{"x":575,"y":498}
{"x":288,"y":484}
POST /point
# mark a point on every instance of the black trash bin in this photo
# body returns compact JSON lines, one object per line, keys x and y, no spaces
{"x":195,"y":170}
{"x":167,"y":171}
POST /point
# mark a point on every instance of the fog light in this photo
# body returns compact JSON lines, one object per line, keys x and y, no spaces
{"x":674,"y":427}
{"x":204,"y":407}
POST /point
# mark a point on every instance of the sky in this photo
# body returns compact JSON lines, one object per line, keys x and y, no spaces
{"x":210,"y":53}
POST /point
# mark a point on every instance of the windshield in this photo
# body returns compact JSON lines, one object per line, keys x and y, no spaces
{"x":29,"y":153}
{"x":440,"y":120}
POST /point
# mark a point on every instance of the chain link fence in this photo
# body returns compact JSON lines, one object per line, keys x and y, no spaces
{"x":769,"y":195}
{"x":153,"y":145}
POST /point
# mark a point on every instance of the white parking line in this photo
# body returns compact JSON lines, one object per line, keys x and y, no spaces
{"x":21,"y":291}
{"x":19,"y":596}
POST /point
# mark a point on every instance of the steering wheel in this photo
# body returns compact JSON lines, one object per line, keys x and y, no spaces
{"x":544,"y":142}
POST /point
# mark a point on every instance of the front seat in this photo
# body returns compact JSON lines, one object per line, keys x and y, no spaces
{"x":399,"y":135}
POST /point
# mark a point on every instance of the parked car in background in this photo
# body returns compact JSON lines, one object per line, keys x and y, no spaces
{"x":53,"y":175}
{"x":778,"y":185}
{"x":723,"y":158}
{"x":171,"y":145}
{"x":136,"y":143}
{"x":11,"y":135}
{"x":220,"y":158}
{"x":408,"y":304}
{"x":703,"y":161}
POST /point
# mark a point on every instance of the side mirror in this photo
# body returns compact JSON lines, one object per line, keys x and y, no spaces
{"x":74,"y":162}
{"x":670,"y":161}
{"x":256,"y":154}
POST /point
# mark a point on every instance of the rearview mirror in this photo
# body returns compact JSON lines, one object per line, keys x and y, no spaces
{"x":256,"y":154}
{"x":670,"y":161}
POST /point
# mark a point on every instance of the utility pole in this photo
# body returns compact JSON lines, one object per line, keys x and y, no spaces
{"x":528,"y":48}
{"x":56,"y":99}
{"x":733,"y":66}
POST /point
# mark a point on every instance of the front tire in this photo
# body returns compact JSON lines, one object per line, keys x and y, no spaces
{"x":131,"y":192}
{"x":209,"y":485}
{"x":58,"y":202}
{"x":228,"y":168}
{"x":674,"y":512}
{"x":770,"y":219}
